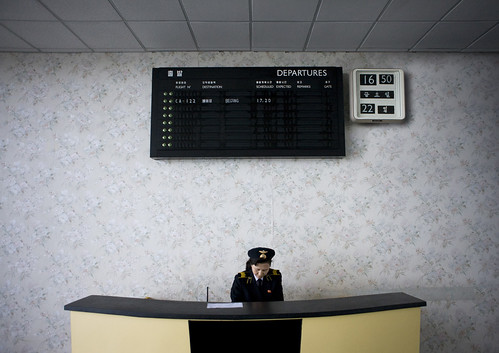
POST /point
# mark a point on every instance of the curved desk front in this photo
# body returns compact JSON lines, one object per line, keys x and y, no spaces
{"x":388,"y":323}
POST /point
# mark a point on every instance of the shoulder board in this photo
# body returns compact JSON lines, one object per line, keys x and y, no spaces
{"x":244,"y":276}
{"x":275,"y":272}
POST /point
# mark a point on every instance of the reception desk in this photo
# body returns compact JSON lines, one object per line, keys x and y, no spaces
{"x":388,"y":323}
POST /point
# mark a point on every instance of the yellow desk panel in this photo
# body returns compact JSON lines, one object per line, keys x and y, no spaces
{"x":102,"y":333}
{"x":391,"y":331}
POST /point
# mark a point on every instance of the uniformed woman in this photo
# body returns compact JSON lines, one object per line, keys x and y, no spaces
{"x":259,"y":283}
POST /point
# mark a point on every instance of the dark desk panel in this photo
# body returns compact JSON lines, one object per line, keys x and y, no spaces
{"x":152,"y":308}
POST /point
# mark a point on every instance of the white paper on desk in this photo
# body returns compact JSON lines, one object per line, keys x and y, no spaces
{"x":224,"y":305}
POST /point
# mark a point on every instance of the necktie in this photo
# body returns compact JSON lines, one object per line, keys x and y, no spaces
{"x":259,"y":283}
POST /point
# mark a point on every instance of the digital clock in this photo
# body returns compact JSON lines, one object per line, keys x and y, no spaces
{"x":377,"y":95}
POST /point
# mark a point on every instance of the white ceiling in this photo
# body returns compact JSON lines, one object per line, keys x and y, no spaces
{"x":249,"y":25}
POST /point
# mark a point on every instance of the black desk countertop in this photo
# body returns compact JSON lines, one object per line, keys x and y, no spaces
{"x":166,"y":309}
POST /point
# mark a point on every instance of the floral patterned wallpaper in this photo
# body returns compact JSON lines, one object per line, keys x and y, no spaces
{"x":84,"y":210}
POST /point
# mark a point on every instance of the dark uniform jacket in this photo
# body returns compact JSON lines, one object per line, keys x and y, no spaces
{"x":245,"y":289}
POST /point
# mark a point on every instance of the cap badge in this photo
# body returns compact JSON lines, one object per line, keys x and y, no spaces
{"x":263,"y":252}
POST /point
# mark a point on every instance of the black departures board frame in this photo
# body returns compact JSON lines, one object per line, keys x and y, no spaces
{"x":247,"y":112}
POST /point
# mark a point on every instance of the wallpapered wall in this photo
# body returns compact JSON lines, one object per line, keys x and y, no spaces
{"x":84,"y":210}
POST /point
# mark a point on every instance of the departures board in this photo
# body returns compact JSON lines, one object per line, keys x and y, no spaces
{"x":247,"y":112}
